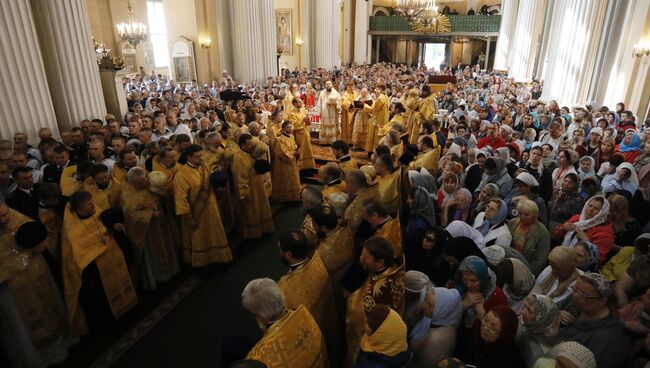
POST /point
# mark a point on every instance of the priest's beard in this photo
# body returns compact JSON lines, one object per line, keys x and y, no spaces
{"x":102,"y":186}
{"x":321,"y":234}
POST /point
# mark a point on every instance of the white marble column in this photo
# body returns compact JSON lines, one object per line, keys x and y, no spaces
{"x":523,"y":50}
{"x":577,"y":27}
{"x":348,"y":32}
{"x":506,"y":32}
{"x":253,"y":54}
{"x":325,"y":17}
{"x":72,"y":73}
{"x":26,"y":105}
{"x":361,"y":26}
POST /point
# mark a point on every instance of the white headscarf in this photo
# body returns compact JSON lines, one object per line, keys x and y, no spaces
{"x":634,"y":179}
{"x":460,"y":228}
{"x":583,"y":223}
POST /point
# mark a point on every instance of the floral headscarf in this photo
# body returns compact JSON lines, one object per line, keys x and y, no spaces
{"x":547,"y":316}
{"x":583,"y":223}
{"x":594,"y":256}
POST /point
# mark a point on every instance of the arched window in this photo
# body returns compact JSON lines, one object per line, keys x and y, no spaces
{"x":158,"y":32}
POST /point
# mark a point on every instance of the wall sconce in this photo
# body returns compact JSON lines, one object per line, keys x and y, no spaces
{"x":300,"y":42}
{"x":641,"y":49}
{"x":206,"y":43}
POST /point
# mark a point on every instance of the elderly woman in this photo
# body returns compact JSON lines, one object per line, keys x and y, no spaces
{"x":476,"y":283}
{"x":456,"y":208}
{"x":587,"y":256}
{"x":630,"y":146}
{"x":516,"y":280}
{"x":568,"y":354}
{"x":416,"y":285}
{"x":496,"y":172}
{"x":434,"y":337}
{"x":496,"y":345}
{"x":527,"y":188}
{"x":492,"y":223}
{"x":557,"y":279}
{"x":591,"y":225}
{"x":490,"y":191}
{"x":540,"y":322}
{"x":529,"y":236}
{"x":624,"y":179}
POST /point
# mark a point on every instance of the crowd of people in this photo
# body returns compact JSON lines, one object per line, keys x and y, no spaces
{"x":470,"y":224}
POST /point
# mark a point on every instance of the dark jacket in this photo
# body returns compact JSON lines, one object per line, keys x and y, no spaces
{"x":24,"y":203}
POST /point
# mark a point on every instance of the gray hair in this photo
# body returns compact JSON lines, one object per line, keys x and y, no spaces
{"x":312,"y":195}
{"x":264,"y":298}
{"x":135,"y":172}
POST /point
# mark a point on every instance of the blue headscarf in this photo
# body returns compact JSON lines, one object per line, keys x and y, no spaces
{"x":499,"y":217}
{"x":447,"y":311}
{"x":479,"y":268}
{"x":635,"y":144}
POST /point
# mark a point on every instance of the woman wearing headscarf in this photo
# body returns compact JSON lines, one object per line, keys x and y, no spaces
{"x":435,"y":335}
{"x":539,"y":322}
{"x":496,"y":172}
{"x":450,"y":184}
{"x":456,"y":208}
{"x":496,"y":346}
{"x":594,"y":137}
{"x":591,"y":225}
{"x":587,"y":256}
{"x":529,"y":236}
{"x":566,"y":159}
{"x":516,"y":280}
{"x":565,"y":203}
{"x":630,"y":146}
{"x":421,"y":218}
{"x":568,"y":354}
{"x":626,"y":227}
{"x":384,"y":344}
{"x":557,"y":279}
{"x":490,"y":191}
{"x":476,"y":284}
{"x":416,"y":285}
{"x":492,"y":223}
{"x":625,"y":179}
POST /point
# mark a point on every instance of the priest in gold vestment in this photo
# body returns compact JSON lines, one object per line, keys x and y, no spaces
{"x":286,"y":177}
{"x":347,"y":111}
{"x":427,"y":157}
{"x":389,"y":181}
{"x":330,"y":176}
{"x":341,"y":151}
{"x":149,"y":231}
{"x":384,"y":285}
{"x":308,"y":283}
{"x":299,"y":117}
{"x":361,"y":122}
{"x":93,"y":264}
{"x":378,"y":123}
{"x":336,"y":246}
{"x":385,"y":226}
{"x":425,"y":111}
{"x":291,"y":338}
{"x":311,"y":198}
{"x":100,"y":184}
{"x":203,"y":237}
{"x":252,"y":203}
{"x":359,"y":187}
{"x":35,"y":330}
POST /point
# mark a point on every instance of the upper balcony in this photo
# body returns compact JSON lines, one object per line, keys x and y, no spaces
{"x":460,"y":24}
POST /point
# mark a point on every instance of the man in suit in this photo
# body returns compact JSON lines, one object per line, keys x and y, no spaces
{"x":61,"y":160}
{"x":23,"y":198}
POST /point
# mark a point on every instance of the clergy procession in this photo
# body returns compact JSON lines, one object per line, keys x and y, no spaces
{"x":470,"y":224}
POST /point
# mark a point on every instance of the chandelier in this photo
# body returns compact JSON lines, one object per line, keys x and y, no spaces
{"x":410,"y":9}
{"x":132,"y":32}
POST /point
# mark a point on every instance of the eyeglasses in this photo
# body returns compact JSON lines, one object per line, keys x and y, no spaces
{"x":582,"y":293}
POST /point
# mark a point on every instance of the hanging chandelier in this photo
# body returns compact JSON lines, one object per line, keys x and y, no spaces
{"x":132,"y":32}
{"x":410,"y":9}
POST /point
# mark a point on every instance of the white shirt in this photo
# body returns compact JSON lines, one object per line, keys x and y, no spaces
{"x":183,"y":129}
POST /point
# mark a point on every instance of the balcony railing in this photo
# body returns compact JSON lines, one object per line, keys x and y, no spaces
{"x":459,"y":23}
